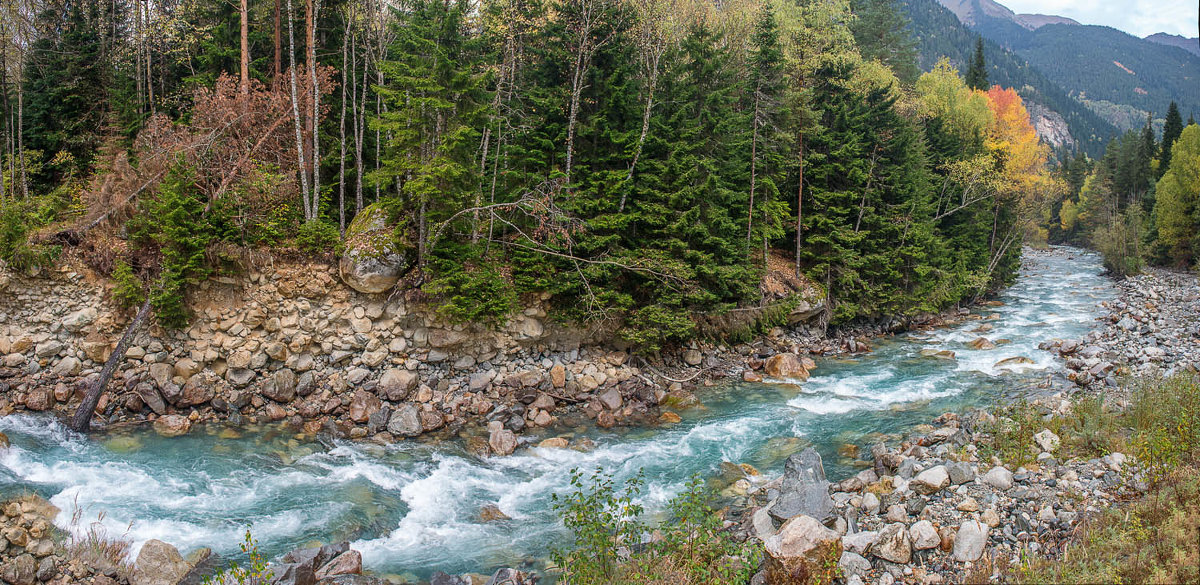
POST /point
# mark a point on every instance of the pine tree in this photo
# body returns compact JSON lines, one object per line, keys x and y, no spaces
{"x":1172,"y":128}
{"x":881,"y":32}
{"x":767,"y":211}
{"x":977,"y":75}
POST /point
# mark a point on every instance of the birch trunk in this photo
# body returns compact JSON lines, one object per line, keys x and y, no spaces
{"x":296,"y":113}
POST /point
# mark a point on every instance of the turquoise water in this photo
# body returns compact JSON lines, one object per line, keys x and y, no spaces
{"x":412,"y":508}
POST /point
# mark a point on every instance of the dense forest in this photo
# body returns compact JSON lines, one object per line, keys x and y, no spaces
{"x":1140,"y":202}
{"x":638,"y":162}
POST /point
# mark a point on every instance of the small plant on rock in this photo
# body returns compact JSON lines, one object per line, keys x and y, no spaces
{"x":256,"y":571}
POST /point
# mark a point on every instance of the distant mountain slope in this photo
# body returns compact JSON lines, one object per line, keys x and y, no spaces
{"x":1191,"y":45}
{"x":939,"y":32}
{"x":1119,"y":76}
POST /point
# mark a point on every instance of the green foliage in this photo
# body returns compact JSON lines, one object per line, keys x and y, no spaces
{"x":977,"y":75}
{"x":172,"y":222}
{"x":318,"y":236}
{"x":609,"y":537}
{"x":881,"y":33}
{"x":256,"y":572}
{"x":1166,"y":417}
{"x":18,"y":219}
{"x":1177,"y":208}
{"x":129,"y":292}
{"x":470,"y":287}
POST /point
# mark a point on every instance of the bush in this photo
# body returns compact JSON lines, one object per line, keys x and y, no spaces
{"x":129,"y":291}
{"x":256,"y":572}
{"x":609,"y":547}
{"x":318,"y":236}
{"x":18,"y":219}
{"x":470,"y":287}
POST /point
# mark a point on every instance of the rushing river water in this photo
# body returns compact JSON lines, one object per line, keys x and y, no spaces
{"x":413,"y":507}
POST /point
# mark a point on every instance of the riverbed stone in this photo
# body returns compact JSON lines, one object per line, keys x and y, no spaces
{"x":970,"y":540}
{"x":1047,"y":440}
{"x":21,"y":571}
{"x":931,"y":480}
{"x":923,"y":535}
{"x":347,"y":563}
{"x":893,"y":544}
{"x":502,"y":441}
{"x":803,"y":551}
{"x":804,"y":489}
{"x":281,"y":386}
{"x":405,"y":421}
{"x":158,"y":563}
{"x":396,"y":384}
{"x":960,"y":472}
{"x":998,"y":477}
{"x":172,"y":425}
{"x":785,"y":366}
{"x":363,"y":405}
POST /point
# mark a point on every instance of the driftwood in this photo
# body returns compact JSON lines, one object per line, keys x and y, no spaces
{"x":83,"y":415}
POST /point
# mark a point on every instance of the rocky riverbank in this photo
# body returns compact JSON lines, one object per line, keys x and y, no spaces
{"x":1153,"y":327}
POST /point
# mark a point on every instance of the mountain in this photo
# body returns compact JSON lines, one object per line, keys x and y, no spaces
{"x":971,"y":11}
{"x":1121,"y":77}
{"x":1060,"y":120}
{"x":1191,"y":45}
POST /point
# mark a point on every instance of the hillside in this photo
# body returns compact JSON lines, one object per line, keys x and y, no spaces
{"x":1119,"y":76}
{"x":1191,"y":45}
{"x":939,"y":32}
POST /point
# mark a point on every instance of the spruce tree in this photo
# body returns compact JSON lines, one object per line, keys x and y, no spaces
{"x":1172,"y":128}
{"x":977,"y":76}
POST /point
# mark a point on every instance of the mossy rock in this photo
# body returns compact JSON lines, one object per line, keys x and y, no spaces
{"x":373,"y":259}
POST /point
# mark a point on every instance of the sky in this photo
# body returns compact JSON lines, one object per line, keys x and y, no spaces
{"x":1136,"y":17}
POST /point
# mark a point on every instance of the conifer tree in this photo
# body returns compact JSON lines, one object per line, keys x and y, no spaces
{"x":1172,"y":128}
{"x":977,"y":75}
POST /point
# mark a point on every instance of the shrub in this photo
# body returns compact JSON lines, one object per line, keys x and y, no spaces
{"x":256,"y":572}
{"x":692,"y":547}
{"x":470,"y":287}
{"x":318,"y":236}
{"x":129,"y":291}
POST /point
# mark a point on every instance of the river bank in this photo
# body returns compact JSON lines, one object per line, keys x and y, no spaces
{"x":413,"y":504}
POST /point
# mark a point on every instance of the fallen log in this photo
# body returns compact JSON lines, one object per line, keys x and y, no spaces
{"x":83,"y":415}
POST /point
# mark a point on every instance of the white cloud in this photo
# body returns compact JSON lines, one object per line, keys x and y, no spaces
{"x":1136,"y":17}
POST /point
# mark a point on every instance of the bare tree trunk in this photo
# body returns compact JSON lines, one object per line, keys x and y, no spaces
{"x":296,"y":112}
{"x":753,"y":171}
{"x":310,"y":18}
{"x":576,"y":90}
{"x":244,"y":83}
{"x":278,"y":44}
{"x":21,"y":138}
{"x":637,"y":153}
{"x":359,"y":107}
{"x":149,"y":61}
{"x":800,"y":204}
{"x":342,"y":135}
{"x":83,"y":415}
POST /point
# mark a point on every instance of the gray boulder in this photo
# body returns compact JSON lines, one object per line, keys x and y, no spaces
{"x":373,"y":260}
{"x":804,"y":489}
{"x":405,"y":421}
{"x":159,"y":563}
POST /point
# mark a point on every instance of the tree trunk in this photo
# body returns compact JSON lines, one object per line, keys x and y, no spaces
{"x":83,"y":414}
{"x":21,"y":138}
{"x":244,"y":84}
{"x":360,"y":124}
{"x":342,"y":135}
{"x":296,"y":112}
{"x":576,"y":90}
{"x":278,"y":44}
{"x":800,"y":202}
{"x":637,"y":153}
{"x":310,"y":17}
{"x":149,"y":61}
{"x":753,"y":172}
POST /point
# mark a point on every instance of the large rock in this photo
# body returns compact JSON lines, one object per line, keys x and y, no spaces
{"x":20,"y":571}
{"x":347,"y":563}
{"x":172,"y":425}
{"x":77,"y":321}
{"x":804,"y":489}
{"x":40,"y":399}
{"x":970,"y":541}
{"x":158,"y":563}
{"x":195,"y":391}
{"x":363,"y":405}
{"x":281,"y":386}
{"x":396,"y":384}
{"x":923,"y":535}
{"x":931,"y":480}
{"x":373,"y":260}
{"x":405,"y":421}
{"x":150,"y":397}
{"x":998,"y":477}
{"x":894,"y":544}
{"x":803,"y":551}
{"x":502,"y":442}
{"x":785,"y":366}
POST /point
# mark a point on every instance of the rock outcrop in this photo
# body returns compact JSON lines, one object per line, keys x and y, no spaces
{"x":373,"y":260}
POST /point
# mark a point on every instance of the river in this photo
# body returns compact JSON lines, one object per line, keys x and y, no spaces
{"x":413,"y":507}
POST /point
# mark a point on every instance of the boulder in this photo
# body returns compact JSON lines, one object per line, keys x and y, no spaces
{"x":373,"y":260}
{"x":960,"y":472}
{"x":1047,"y":440}
{"x":894,"y":544}
{"x":195,"y":391}
{"x":502,"y":442}
{"x":970,"y":541}
{"x":785,"y":366}
{"x":804,"y":489}
{"x":151,"y":398}
{"x":347,"y":563}
{"x":931,"y":480}
{"x":923,"y":535}
{"x":68,"y":366}
{"x":981,"y":343}
{"x":40,"y":399}
{"x":21,"y":571}
{"x":405,"y":421}
{"x":172,"y":425}
{"x":998,"y":477}
{"x":611,"y":398}
{"x":396,"y":384}
{"x":281,"y":386}
{"x":508,"y":576}
{"x":860,"y":542}
{"x":363,"y":405}
{"x":158,"y":563}
{"x":803,"y":551}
